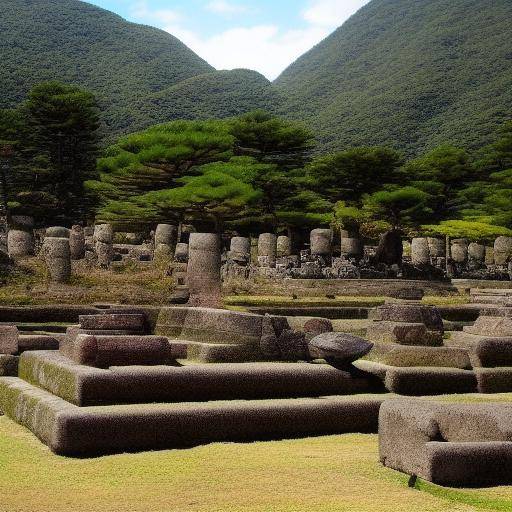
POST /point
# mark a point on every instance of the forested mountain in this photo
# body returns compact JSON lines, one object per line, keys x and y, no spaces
{"x":132,"y":69}
{"x":410,"y":74}
{"x":215,"y":94}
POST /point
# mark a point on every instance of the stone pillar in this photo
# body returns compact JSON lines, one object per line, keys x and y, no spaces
{"x":489,"y":255}
{"x":321,"y":242}
{"x":436,"y":247}
{"x":57,"y":256}
{"x":77,"y":243}
{"x":240,"y":249}
{"x":181,"y":253}
{"x":476,"y":252}
{"x":351,"y":248}
{"x":166,"y":236}
{"x":420,"y":252}
{"x":503,"y":250}
{"x":103,"y":238}
{"x":284,"y":246}
{"x":267,"y":250}
{"x":459,"y":250}
{"x":203,"y":270}
{"x":20,"y":243}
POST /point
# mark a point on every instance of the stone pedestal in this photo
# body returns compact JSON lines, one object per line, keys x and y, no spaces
{"x":57,"y":256}
{"x":321,"y":242}
{"x":203,"y":270}
{"x":20,"y":243}
{"x":77,"y":243}
{"x":267,"y":250}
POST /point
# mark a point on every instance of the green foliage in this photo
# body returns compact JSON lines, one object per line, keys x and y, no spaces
{"x":270,"y":139}
{"x":140,"y":75}
{"x":56,"y":149}
{"x":220,"y":193}
{"x":400,"y":207}
{"x":467,"y":229}
{"x":409,"y":75}
{"x":347,"y":175}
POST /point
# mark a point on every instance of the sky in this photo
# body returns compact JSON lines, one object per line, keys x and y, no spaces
{"x":264,"y":35}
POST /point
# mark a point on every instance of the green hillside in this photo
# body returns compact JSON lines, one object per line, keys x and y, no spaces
{"x":407,"y":73}
{"x":215,"y":94}
{"x":131,"y":68}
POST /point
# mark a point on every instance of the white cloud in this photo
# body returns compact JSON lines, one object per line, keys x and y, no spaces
{"x":331,"y":13}
{"x":141,"y":11}
{"x":225,"y":7}
{"x":268,"y":49}
{"x":264,"y":48}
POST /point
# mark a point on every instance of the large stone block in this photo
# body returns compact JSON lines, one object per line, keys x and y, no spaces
{"x":107,"y":351}
{"x":448,"y":444}
{"x":392,"y":354}
{"x":8,"y":339}
{"x":87,"y":385}
{"x":104,"y":253}
{"x":409,"y":313}
{"x":117,"y":321}
{"x":203,"y":271}
{"x":339,"y":348}
{"x":70,"y":430}
{"x":403,"y":333}
{"x":181,"y":253}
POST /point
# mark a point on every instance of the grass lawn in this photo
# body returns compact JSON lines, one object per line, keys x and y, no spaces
{"x":338,"y":473}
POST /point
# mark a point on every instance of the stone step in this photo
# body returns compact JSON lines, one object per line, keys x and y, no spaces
{"x":87,"y":431}
{"x":85,"y":385}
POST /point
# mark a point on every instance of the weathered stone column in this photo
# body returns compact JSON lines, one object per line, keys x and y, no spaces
{"x":420,"y":252}
{"x":284,"y":246}
{"x":503,"y":250}
{"x":57,"y":256}
{"x":57,"y":232}
{"x":77,"y":243}
{"x":321,"y":242}
{"x":267,"y":250}
{"x":240,"y":249}
{"x":166,"y":236}
{"x":437,"y":247}
{"x":203,"y":270}
{"x":459,"y":250}
{"x":20,"y":243}
{"x":476,"y":252}
{"x":351,"y":247}
{"x":103,"y":238}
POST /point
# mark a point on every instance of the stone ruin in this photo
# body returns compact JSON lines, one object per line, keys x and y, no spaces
{"x":325,"y":257}
{"x":254,"y":378}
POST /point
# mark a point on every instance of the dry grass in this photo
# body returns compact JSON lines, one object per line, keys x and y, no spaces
{"x":127,"y":283}
{"x":338,"y":473}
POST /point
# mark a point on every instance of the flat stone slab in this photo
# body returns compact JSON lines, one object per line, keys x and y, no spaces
{"x":118,"y":321}
{"x":84,"y":385}
{"x":421,"y":381}
{"x":392,"y":354}
{"x":88,"y":431}
{"x":106,"y":351}
{"x":340,"y":347}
